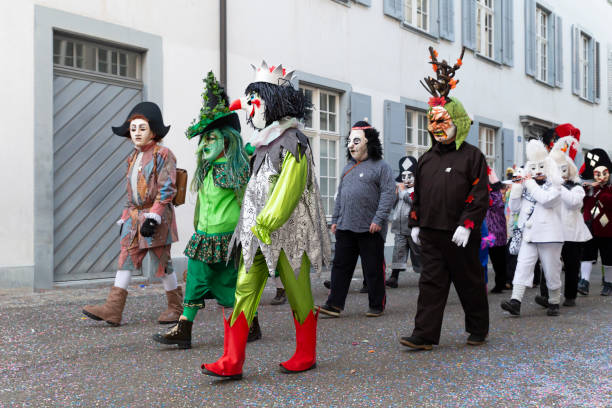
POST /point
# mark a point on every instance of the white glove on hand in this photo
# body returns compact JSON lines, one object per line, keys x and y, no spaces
{"x":120,"y":222}
{"x":461,"y":236}
{"x":414,"y":234}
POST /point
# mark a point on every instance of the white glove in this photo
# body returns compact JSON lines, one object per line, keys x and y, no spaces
{"x":120,"y":222}
{"x":414,"y":234}
{"x":461,"y":236}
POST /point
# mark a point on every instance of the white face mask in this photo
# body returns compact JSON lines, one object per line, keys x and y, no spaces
{"x":564,"y":169}
{"x":358,"y":145}
{"x":140,"y":132}
{"x":536,"y":169}
{"x":601,"y":174}
{"x":256,"y":110}
{"x":408,"y":178}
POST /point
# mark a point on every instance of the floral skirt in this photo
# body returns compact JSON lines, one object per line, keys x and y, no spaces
{"x":208,"y":248}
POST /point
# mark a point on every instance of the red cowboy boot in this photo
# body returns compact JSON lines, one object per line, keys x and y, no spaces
{"x":305,"y":356}
{"x":234,"y":346}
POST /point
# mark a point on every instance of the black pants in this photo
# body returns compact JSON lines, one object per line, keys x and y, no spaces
{"x":570,"y":253}
{"x":510,"y":264}
{"x":497,"y":255}
{"x":444,"y":262}
{"x":350,"y":246}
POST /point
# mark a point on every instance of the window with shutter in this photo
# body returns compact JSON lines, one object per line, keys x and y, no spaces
{"x":586,"y":78}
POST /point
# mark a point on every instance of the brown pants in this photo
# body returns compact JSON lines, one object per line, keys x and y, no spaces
{"x":444,"y":262}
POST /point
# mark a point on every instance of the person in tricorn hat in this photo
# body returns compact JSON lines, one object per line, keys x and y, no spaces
{"x":148,"y":224}
{"x":400,"y":217}
{"x":220,"y":179}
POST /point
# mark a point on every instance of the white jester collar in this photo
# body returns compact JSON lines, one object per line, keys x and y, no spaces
{"x":270,"y":133}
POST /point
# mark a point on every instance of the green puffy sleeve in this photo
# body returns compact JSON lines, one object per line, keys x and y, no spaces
{"x":284,"y":198}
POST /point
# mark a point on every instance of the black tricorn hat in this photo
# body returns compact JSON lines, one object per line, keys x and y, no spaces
{"x":406,"y":163}
{"x":593,"y":159}
{"x":153,"y":114}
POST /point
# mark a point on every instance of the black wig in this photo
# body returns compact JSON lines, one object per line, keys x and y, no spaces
{"x":281,"y":101}
{"x":375,"y":150}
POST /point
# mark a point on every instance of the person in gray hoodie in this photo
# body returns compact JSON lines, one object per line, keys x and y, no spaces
{"x":400,"y":217}
{"x":365,"y":198}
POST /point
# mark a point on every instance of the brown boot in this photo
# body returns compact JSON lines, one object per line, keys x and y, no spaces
{"x":110,"y":311}
{"x":175,"y":307}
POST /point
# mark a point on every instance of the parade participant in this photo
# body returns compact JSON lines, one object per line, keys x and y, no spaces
{"x":496,"y":225}
{"x":451,"y":198}
{"x":537,"y":200}
{"x":220,"y":178}
{"x":147,"y":223}
{"x":282,"y":223}
{"x":400,"y":218}
{"x":575,"y":230}
{"x":598,"y":215}
{"x":363,"y":204}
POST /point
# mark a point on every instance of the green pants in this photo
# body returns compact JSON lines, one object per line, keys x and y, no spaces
{"x":210,"y":281}
{"x":250,"y":286}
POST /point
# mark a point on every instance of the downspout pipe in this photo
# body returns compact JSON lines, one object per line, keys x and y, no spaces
{"x":223,"y":42}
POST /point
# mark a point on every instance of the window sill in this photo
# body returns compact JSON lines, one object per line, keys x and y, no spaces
{"x":416,"y":30}
{"x":344,"y":3}
{"x":488,"y":59}
{"x":539,"y":81}
{"x":585,"y":100}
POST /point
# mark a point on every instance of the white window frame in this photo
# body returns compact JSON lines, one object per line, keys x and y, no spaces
{"x":417,"y":138}
{"x":542,"y":44}
{"x":584,"y":66}
{"x":317,"y":136}
{"x":487,"y":143}
{"x":485,"y":28}
{"x":417,"y":14}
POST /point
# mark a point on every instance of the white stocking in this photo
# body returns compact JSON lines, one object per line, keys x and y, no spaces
{"x":585,"y":270}
{"x":122,"y":278}
{"x":169,"y":282}
{"x":518,"y":291}
{"x":554,"y":296}
{"x":608,"y":273}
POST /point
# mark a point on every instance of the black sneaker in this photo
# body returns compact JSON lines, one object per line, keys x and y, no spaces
{"x":569,"y":302}
{"x":280,"y":298}
{"x":513,"y":306}
{"x":541,"y":300}
{"x":606,"y":290}
{"x":415,"y":342}
{"x":254,"y":331}
{"x":553,"y":310}
{"x":476,"y":339}
{"x":330,"y":310}
{"x":327,"y":284}
{"x":583,"y":287}
{"x":391,"y":282}
{"x":374,"y":312}
{"x":497,"y":289}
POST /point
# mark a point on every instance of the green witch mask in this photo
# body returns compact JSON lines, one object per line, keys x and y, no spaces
{"x":211,"y":145}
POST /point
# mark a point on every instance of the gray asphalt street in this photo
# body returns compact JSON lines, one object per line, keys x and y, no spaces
{"x":51,"y":355}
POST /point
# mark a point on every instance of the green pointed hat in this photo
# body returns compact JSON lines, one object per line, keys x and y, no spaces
{"x":215,"y":111}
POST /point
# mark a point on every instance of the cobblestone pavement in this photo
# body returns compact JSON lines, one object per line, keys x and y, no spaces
{"x":51,"y":355}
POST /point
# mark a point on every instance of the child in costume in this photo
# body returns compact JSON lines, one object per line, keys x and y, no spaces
{"x":282,"y":224}
{"x":496,"y":226}
{"x":450,"y":202}
{"x":598,"y":215}
{"x":220,"y":178}
{"x":400,"y":218}
{"x":147,"y":223}
{"x":537,"y":200}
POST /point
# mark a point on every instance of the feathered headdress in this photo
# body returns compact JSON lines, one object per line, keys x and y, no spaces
{"x":445,"y":78}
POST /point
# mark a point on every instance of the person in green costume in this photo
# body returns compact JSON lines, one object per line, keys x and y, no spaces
{"x":220,"y":178}
{"x":282,"y":223}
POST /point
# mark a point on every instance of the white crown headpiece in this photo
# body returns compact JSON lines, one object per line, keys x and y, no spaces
{"x":276,"y":75}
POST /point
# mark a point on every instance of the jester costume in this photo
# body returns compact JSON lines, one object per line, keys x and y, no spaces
{"x":221,"y":175}
{"x":281,"y":225}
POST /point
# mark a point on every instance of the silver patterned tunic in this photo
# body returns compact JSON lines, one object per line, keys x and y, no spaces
{"x":305,"y":231}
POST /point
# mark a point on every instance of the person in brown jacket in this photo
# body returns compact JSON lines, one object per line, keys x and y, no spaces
{"x":148,"y":224}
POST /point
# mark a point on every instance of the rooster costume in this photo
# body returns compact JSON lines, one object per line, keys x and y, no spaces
{"x":282,"y":224}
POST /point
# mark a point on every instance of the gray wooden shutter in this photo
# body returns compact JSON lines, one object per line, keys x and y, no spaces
{"x":394,"y":8}
{"x":550,"y":50}
{"x":558,"y":52}
{"x":596,"y":73}
{"x":364,"y":2}
{"x":610,"y":79}
{"x":530,"y":37}
{"x":434,"y":18}
{"x":361,"y":107}
{"x":508,"y":148}
{"x":507,"y":32}
{"x":468,"y":23}
{"x":395,"y":134}
{"x":472,"y":137}
{"x":497,"y":30}
{"x":447,"y":17}
{"x":591,"y":76}
{"x":575,"y":60}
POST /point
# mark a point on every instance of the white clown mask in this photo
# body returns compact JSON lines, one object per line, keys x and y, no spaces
{"x":255,"y":108}
{"x":358,"y":145}
{"x":408,"y":178}
{"x":536,"y":164}
{"x":140,"y":132}
{"x":601,"y":174}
